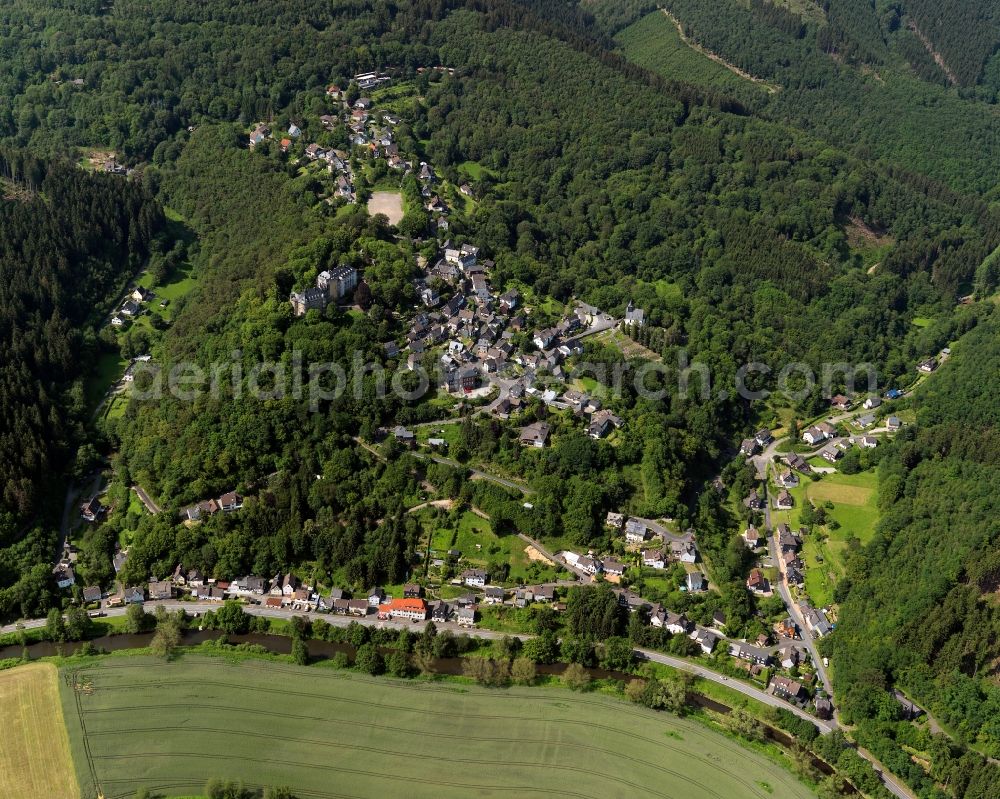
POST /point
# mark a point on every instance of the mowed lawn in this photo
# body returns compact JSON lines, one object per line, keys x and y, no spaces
{"x":34,"y":749}
{"x":324,"y":733}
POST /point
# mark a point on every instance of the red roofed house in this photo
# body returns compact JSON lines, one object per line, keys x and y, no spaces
{"x":412,"y":609}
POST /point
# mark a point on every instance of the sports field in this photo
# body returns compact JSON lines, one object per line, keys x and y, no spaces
{"x":34,"y":749}
{"x":170,"y":727}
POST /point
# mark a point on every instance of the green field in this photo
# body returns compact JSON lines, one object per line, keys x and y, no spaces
{"x":653,"y":42}
{"x":34,"y":751}
{"x":855,"y":510}
{"x":170,"y":727}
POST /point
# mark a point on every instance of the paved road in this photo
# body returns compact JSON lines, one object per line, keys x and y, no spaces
{"x":664,"y":533}
{"x":477,"y":472}
{"x":147,"y":500}
{"x":748,"y":690}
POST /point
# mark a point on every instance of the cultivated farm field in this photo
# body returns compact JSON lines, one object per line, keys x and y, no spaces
{"x":137,"y":722}
{"x":34,"y":749}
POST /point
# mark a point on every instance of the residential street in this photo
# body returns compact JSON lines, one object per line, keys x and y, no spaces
{"x":147,"y":500}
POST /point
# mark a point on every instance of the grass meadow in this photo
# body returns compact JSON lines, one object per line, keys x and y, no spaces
{"x":170,"y":727}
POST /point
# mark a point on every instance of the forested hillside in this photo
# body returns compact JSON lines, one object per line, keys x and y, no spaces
{"x":843,"y":211}
{"x":68,"y":241}
{"x":966,"y":33}
{"x":920,"y":610}
{"x":860,"y":79}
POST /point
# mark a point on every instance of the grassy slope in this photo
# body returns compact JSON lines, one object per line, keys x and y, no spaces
{"x":653,"y":42}
{"x":855,"y":509}
{"x":34,"y":750}
{"x":330,"y":733}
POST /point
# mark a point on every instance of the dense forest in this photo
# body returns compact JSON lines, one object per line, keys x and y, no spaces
{"x":920,"y":608}
{"x":817,"y":224}
{"x":860,"y":79}
{"x":68,"y":241}
{"x":966,"y":33}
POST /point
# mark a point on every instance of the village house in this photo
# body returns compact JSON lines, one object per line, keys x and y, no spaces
{"x":466,"y":616}
{"x":794,"y":575}
{"x":788,"y":656}
{"x":785,"y":688}
{"x":788,"y":541}
{"x":160,"y":589}
{"x":493,"y":595}
{"x":509,"y":300}
{"x":258,"y":134}
{"x":134,"y":595}
{"x":840,"y":402}
{"x":544,"y":593}
{"x":653,"y":559}
{"x":230,"y":502}
{"x":817,"y":622}
{"x":798,"y":463}
{"x":872,"y":402}
{"x":752,"y":537}
{"x":684,"y":551}
{"x":865,"y":421}
{"x":614,"y":520}
{"x":787,"y":479}
{"x":787,"y":628}
{"x":784,"y":501}
{"x":92,"y":593}
{"x":613,"y":568}
{"x":758,"y":584}
{"x":358,"y":607}
{"x":534,"y":435}
{"x":673,"y":623}
{"x":763,"y":437}
{"x":831,"y":454}
{"x":751,"y":654}
{"x":413,"y":591}
{"x":635,"y":531}
{"x":602,"y":422}
{"x":289,"y":584}
{"x":814,"y":435}
{"x":407,"y":609}
{"x":376,"y":596}
{"x":251,"y":585}
{"x":823,"y":707}
{"x":868,"y":442}
{"x":475,"y":578}
{"x":63,"y":575}
{"x":749,"y":447}
{"x":705,"y":638}
{"x":440,"y":612}
{"x":403,"y":436}
{"x":755,"y":501}
{"x":893,"y":423}
{"x":695,"y":582}
{"x":92,"y":509}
